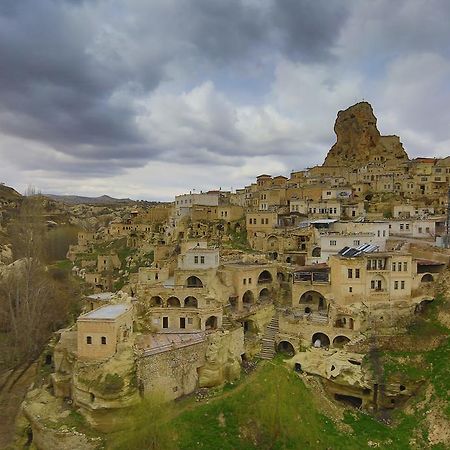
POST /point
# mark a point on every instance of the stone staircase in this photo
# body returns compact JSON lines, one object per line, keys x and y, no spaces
{"x":268,"y":341}
{"x":227,"y":324}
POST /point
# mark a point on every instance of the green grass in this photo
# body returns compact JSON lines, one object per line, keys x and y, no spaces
{"x":276,"y":410}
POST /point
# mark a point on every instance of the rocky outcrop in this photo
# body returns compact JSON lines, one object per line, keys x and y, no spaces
{"x":359,"y":142}
{"x":222,"y":360}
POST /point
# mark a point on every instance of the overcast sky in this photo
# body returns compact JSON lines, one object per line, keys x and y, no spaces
{"x":150,"y":98}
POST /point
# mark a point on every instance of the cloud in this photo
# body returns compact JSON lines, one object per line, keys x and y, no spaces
{"x":98,"y":92}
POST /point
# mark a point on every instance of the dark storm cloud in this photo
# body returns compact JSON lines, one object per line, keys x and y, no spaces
{"x":71,"y":70}
{"x":308,"y":28}
{"x":51,"y":88}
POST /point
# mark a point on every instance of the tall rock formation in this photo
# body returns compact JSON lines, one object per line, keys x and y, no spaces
{"x":359,"y":142}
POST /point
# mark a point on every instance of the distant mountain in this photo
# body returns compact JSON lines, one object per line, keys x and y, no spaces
{"x":8,"y":193}
{"x":78,"y":200}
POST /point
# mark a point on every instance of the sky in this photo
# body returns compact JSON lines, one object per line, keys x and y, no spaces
{"x":148,"y":99}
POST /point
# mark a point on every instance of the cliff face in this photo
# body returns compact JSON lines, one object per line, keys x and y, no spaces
{"x":359,"y":142}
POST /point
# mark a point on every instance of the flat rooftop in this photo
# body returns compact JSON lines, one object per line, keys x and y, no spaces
{"x":106,"y":312}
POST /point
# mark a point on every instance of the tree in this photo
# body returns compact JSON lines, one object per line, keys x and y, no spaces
{"x":34,"y":301}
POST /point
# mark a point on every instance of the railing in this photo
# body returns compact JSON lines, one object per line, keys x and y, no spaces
{"x":311,"y":277}
{"x":172,"y":346}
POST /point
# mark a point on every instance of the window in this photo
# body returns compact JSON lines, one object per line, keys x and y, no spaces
{"x":202,"y":260}
{"x":267,"y":221}
{"x":245,"y":280}
{"x":402,"y":285}
{"x":406,"y":226}
{"x":378,"y":233}
{"x":356,"y":242}
{"x":89,"y":340}
{"x":375,"y":285}
{"x":356,"y":273}
{"x":349,"y":273}
{"x":405,"y":267}
{"x":420,"y":230}
{"x":190,"y":320}
{"x":401,"y":226}
{"x":332,"y":242}
{"x":182,"y":322}
{"x":103,"y":340}
{"x":262,"y":221}
{"x":165,"y":322}
{"x":384,"y":233}
{"x":395,"y":284}
{"x":249,"y":281}
{"x":350,"y":289}
{"x":195,"y":259}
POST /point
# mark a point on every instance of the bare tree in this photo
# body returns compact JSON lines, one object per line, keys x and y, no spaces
{"x":33,"y":300}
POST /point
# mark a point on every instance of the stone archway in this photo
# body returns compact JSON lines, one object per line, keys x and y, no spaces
{"x":320,"y":340}
{"x":194,"y":282}
{"x":248,"y":298}
{"x":313,"y":300}
{"x":173,"y":302}
{"x":286,"y":348}
{"x":427,"y":278}
{"x":190,"y":302}
{"x":340,"y":341}
{"x":265,"y":277}
{"x":264,"y":295}
{"x":249,"y":327}
{"x":272,"y":243}
{"x":422,"y":306}
{"x":155,"y":301}
{"x":211,"y":323}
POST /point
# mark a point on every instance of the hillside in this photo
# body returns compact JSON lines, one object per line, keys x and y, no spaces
{"x":79,"y":200}
{"x":9,"y":194}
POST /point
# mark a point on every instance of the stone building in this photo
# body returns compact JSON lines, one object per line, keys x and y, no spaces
{"x":101,"y":330}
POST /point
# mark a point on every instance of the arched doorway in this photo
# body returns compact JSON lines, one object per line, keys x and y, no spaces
{"x":286,"y":348}
{"x":340,"y":341}
{"x":211,"y":323}
{"x":320,"y":340}
{"x":264,"y":295}
{"x":313,"y":300}
{"x":173,"y":302}
{"x":156,"y":300}
{"x":427,"y":278}
{"x":422,"y":306}
{"x":190,"y":302}
{"x":265,"y":277}
{"x":194,"y":282}
{"x":249,"y":327}
{"x":378,"y":283}
{"x":248,"y":298}
{"x":272,"y":244}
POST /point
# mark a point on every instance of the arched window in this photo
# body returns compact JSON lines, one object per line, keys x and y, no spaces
{"x":194,"y":282}
{"x":173,"y":302}
{"x":265,"y":277}
{"x":190,"y":302}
